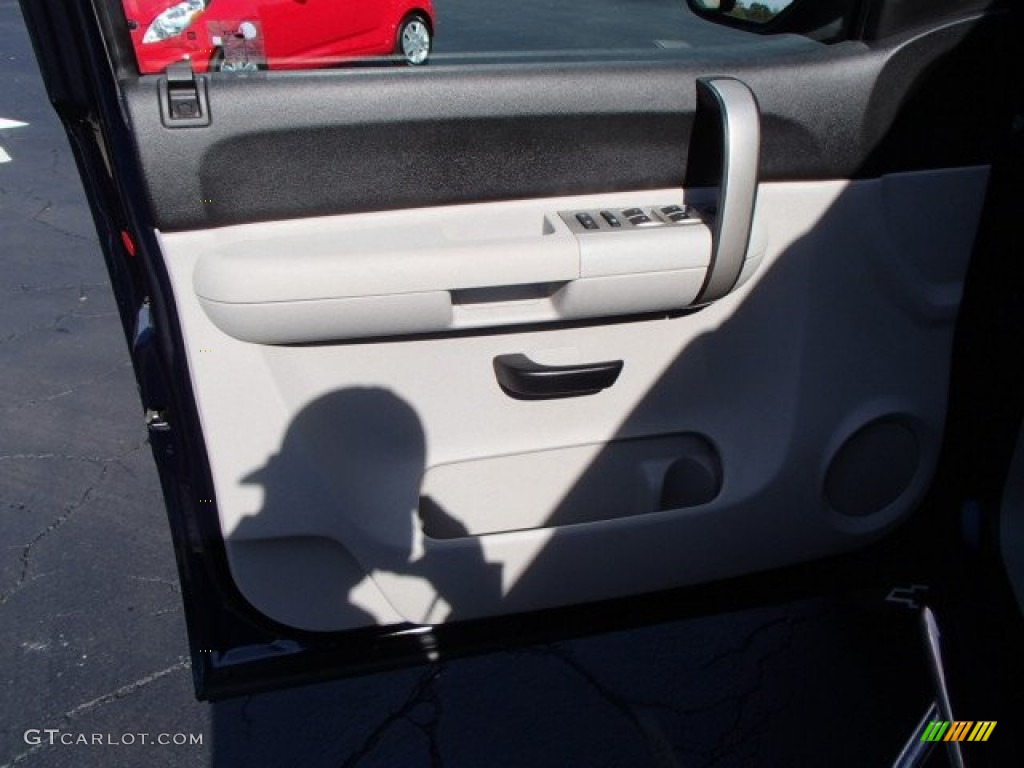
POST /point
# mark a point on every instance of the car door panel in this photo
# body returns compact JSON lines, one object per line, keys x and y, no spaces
{"x":369,"y":440}
{"x":336,"y":279}
{"x":375,"y":441}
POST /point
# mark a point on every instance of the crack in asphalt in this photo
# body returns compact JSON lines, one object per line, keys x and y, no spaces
{"x":85,"y":497}
{"x":48,"y":205}
{"x":63,"y":517}
{"x":423,"y":709}
{"x":70,"y":510}
{"x":117,"y":694}
{"x":640,"y":712}
{"x":102,"y":460}
{"x":70,"y":390}
{"x":128,"y":689}
{"x":71,"y":313}
{"x":245,"y":717}
{"x":169,"y":583}
{"x":23,"y":756}
{"x":58,"y":457}
{"x":423,"y":698}
{"x":81,"y":286}
{"x":739,"y":731}
{"x":637,"y":711}
{"x":744,"y":647}
{"x":174,"y":588}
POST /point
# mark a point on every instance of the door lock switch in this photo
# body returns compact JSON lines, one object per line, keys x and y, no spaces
{"x":587,"y":221}
{"x":675,"y":214}
{"x":184,"y":101}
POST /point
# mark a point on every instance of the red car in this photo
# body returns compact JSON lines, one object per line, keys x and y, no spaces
{"x":280,"y":34}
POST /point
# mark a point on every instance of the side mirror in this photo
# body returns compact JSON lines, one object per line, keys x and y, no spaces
{"x":746,"y":11}
{"x":822,"y":20}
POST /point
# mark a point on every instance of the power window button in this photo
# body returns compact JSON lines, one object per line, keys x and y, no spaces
{"x":587,"y":221}
{"x":611,"y":218}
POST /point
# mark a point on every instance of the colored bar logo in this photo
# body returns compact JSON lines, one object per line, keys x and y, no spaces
{"x":958,"y":730}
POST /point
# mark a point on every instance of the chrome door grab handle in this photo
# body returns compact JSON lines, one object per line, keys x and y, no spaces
{"x":739,"y":120}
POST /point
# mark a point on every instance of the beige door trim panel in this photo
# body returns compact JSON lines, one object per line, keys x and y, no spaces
{"x":838,"y":343}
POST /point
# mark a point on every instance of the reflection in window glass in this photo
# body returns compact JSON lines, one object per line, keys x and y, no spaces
{"x":758,"y":11}
{"x":248,"y":35}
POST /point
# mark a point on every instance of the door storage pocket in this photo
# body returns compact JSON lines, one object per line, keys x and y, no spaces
{"x":568,"y":486}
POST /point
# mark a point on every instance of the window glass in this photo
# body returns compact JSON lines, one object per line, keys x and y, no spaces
{"x":249,"y":35}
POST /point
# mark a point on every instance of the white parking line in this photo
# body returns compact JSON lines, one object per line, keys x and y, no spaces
{"x":4,"y":124}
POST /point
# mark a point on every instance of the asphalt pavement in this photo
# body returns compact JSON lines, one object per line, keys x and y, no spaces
{"x":93,"y":652}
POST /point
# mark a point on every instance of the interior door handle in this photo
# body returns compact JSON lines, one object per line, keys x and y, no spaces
{"x":739,"y":129}
{"x":522,"y":378}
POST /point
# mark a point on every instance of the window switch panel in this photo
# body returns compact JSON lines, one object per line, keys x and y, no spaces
{"x":630,"y":218}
